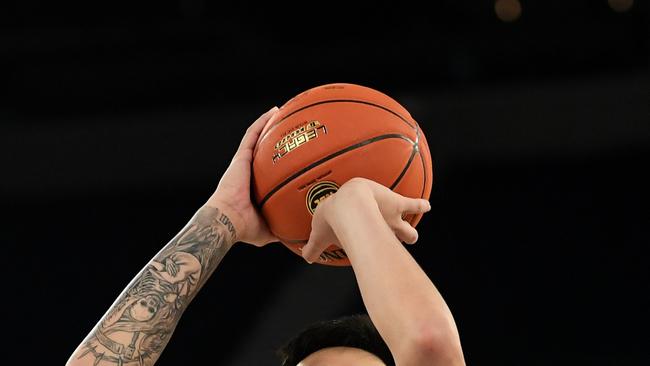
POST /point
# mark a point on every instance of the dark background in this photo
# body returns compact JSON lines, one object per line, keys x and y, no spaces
{"x":119,"y":118}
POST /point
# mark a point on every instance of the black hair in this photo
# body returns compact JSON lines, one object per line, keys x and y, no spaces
{"x":350,"y":331}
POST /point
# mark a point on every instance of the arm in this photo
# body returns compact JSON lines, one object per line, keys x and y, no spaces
{"x":138,"y":326}
{"x":364,"y":218}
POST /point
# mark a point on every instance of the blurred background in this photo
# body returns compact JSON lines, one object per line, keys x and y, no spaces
{"x":118,"y":119}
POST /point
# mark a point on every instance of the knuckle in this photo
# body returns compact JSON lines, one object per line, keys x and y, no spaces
{"x":356,"y":181}
{"x":349,"y":184}
{"x":353,"y":186}
{"x":402,"y":206}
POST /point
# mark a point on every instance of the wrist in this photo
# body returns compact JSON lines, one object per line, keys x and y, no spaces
{"x":229,"y":217}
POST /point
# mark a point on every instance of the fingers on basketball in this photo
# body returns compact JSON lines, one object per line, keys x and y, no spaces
{"x":405,"y":232}
{"x":415,"y":205}
{"x":314,"y":247}
{"x":254,"y":130}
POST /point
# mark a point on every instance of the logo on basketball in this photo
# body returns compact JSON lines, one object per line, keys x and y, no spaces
{"x":298,"y":137}
{"x":318,"y":193}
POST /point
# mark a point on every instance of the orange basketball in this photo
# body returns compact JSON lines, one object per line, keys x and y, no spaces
{"x":324,"y":137}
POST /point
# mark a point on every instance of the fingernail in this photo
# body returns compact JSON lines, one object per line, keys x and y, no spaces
{"x":274,"y":109}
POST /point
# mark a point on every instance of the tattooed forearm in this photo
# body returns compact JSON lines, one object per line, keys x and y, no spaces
{"x":138,"y":326}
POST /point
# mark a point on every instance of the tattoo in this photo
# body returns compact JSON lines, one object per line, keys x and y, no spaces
{"x":138,"y":326}
{"x":231,"y":228}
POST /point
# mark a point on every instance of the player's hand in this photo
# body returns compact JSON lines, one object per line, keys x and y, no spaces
{"x":233,"y":193}
{"x":354,"y":198}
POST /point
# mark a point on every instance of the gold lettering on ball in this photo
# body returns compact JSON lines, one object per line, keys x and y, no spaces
{"x":305,"y":132}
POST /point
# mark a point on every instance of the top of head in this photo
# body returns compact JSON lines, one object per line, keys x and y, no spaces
{"x":331,"y":92}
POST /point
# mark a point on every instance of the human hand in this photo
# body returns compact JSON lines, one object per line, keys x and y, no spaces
{"x":233,"y":193}
{"x":356,"y":197}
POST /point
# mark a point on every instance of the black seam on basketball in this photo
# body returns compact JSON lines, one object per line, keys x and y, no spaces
{"x":331,"y":156}
{"x":424,"y":185}
{"x":334,"y":101}
{"x":424,"y":167}
{"x":408,"y":163}
{"x":424,"y":171}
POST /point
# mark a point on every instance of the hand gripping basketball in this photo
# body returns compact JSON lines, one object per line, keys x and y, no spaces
{"x":233,"y":191}
{"x":321,"y":139}
{"x":392,"y":206}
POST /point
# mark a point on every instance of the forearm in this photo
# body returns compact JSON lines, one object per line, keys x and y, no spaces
{"x":138,"y":326}
{"x":403,"y":303}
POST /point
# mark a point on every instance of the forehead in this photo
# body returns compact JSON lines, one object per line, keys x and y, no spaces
{"x":341,"y":356}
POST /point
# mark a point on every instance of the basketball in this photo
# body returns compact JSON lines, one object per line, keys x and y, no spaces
{"x":324,"y":137}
